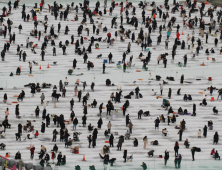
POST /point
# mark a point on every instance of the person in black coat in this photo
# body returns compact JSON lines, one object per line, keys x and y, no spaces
{"x":90,"y":140}
{"x":157,"y":122}
{"x":84,"y":118}
{"x":137,"y":92}
{"x":71,"y":104}
{"x":5,"y":98}
{"x":111,"y":138}
{"x":180,"y":133}
{"x":19,"y":128}
{"x":74,"y":63}
{"x":47,"y":120}
{"x":79,"y":95}
{"x":176,"y":148}
{"x":169,"y":93}
{"x":125,"y":155}
{"x":194,"y":110}
{"x":100,"y":122}
{"x":43,"y":127}
{"x":17,"y":110}
{"x":166,"y":157}
{"x":205,"y":131}
{"x":211,"y":90}
{"x":93,"y":141}
{"x":37,"y":110}
{"x":181,"y":79}
{"x":72,"y":115}
{"x":59,"y":158}
{"x":85,"y":110}
{"x":216,"y":138}
{"x":44,"y":114}
{"x":127,"y":119}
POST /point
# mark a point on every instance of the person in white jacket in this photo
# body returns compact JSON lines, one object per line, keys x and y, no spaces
{"x":153,"y":93}
{"x":66,"y":82}
{"x":199,"y":133}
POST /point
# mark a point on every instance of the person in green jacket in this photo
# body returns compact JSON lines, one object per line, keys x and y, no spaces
{"x":144,"y":166}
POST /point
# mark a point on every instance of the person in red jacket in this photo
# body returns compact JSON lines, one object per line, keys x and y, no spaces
{"x":40,"y":6}
{"x":53,"y":156}
{"x":32,"y":151}
{"x":36,"y":134}
{"x":178,"y":35}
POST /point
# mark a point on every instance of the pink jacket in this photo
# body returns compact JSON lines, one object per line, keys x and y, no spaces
{"x":6,"y":112}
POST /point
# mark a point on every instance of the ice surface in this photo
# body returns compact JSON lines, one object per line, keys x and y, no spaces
{"x":102,"y":93}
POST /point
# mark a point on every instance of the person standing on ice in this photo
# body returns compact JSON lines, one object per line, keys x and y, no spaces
{"x":43,"y":55}
{"x":182,"y":79}
{"x":205,"y":131}
{"x":180,"y":134}
{"x":20,"y":28}
{"x":74,"y":63}
{"x":30,"y":67}
{"x":166,"y":157}
{"x":137,"y":92}
{"x":157,"y":122}
{"x":42,"y":97}
{"x":24,"y":56}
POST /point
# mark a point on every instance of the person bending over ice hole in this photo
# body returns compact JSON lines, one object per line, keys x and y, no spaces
{"x":215,"y":110}
{"x":204,"y":103}
{"x":180,"y":111}
{"x":186,"y":143}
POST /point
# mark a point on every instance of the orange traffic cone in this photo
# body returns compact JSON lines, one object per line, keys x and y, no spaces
{"x":48,"y":66}
{"x":203,"y":64}
{"x":207,"y":57}
{"x":40,"y":67}
{"x":182,"y":33}
{"x":83,"y":159}
{"x":127,"y":63}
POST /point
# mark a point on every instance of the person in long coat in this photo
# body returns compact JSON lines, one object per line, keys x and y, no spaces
{"x":205,"y":131}
{"x":181,"y":79}
{"x":111,"y":138}
{"x":169,"y":93}
{"x":120,"y":142}
{"x":43,"y":127}
{"x":60,"y":85}
{"x":100,"y":122}
{"x":17,"y":110}
{"x":20,"y":128}
{"x":93,"y":141}
{"x":125,"y":155}
{"x":95,"y":132}
{"x":37,"y":110}
{"x":216,"y":138}
{"x":130,"y":126}
{"x":127,"y":119}
{"x":145,"y":141}
{"x":85,"y":110}
{"x":44,"y":114}
{"x":74,"y":63}
{"x":33,"y":90}
{"x":84,"y":118}
{"x":109,"y":125}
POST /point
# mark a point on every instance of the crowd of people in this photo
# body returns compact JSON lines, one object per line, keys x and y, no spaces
{"x":146,"y":26}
